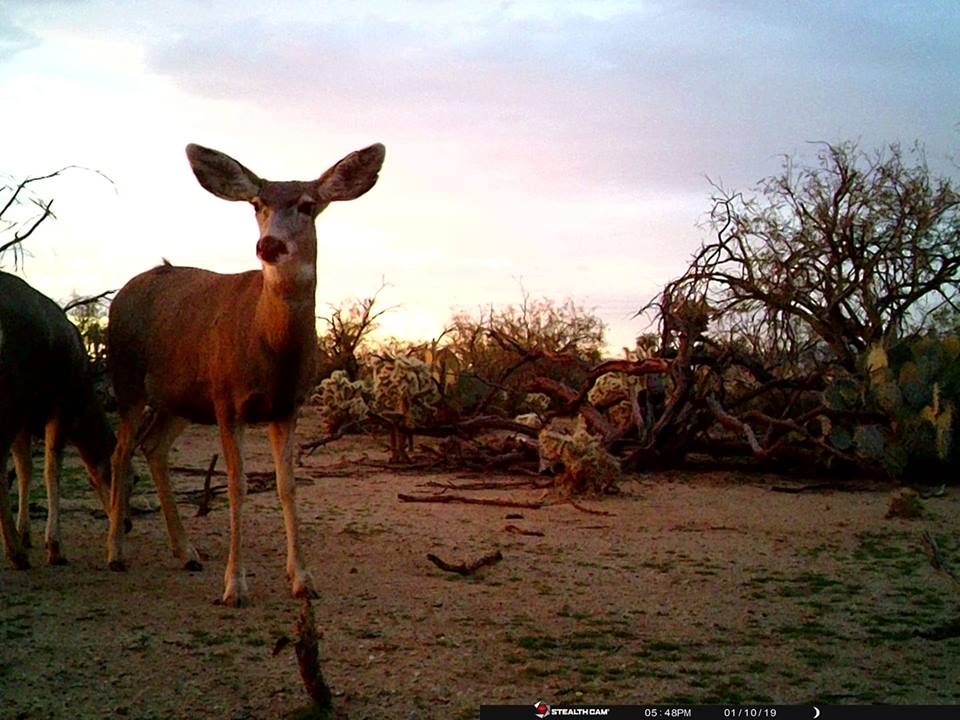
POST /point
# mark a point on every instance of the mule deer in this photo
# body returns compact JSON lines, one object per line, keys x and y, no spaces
{"x":45,"y":386}
{"x":198,"y":346}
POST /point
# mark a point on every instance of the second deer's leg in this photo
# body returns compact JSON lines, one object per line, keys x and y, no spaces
{"x":281,"y":441}
{"x":163,"y":432}
{"x":11,"y":541}
{"x":235,"y":576}
{"x":22,"y":460}
{"x":130,"y":421}
{"x":54,"y":439}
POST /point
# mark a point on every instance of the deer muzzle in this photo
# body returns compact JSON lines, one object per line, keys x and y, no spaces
{"x":270,"y":249}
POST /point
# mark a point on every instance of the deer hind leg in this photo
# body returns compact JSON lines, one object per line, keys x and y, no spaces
{"x":22,"y":460}
{"x":130,"y":420}
{"x":281,"y":440}
{"x":11,"y":541}
{"x":163,"y":432}
{"x":235,"y":576}
{"x":54,"y":439}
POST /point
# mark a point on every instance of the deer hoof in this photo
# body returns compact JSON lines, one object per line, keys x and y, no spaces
{"x":193,"y":566}
{"x":20,"y":561}
{"x":117,"y":565}
{"x":54,"y":556}
{"x":234,"y":601}
{"x":305,"y":590}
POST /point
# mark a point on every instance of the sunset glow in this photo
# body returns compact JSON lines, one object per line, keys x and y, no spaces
{"x":564,"y":148}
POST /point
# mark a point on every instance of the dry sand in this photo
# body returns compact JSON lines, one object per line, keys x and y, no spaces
{"x":698,"y":588}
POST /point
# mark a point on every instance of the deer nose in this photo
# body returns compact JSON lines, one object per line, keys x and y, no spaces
{"x":269,"y":248}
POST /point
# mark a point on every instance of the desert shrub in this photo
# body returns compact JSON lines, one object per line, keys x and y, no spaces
{"x":770,"y":327}
{"x":347,"y":327}
{"x":501,"y":350}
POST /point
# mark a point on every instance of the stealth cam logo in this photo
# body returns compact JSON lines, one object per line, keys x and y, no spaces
{"x":541,"y":709}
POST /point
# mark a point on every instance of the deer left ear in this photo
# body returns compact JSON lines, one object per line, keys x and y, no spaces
{"x":221,"y":175}
{"x":353,"y":176}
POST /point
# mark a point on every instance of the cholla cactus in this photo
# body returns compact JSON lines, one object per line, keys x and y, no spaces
{"x":611,"y":388}
{"x":531,"y":420}
{"x":537,"y":403}
{"x":612,"y":393}
{"x":404,"y":390}
{"x":587,"y":466}
{"x":341,"y":401}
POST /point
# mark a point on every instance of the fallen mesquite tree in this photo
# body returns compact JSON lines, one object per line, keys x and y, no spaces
{"x":815,"y":329}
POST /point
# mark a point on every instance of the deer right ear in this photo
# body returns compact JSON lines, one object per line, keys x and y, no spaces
{"x":352,"y":176}
{"x":222,"y":175}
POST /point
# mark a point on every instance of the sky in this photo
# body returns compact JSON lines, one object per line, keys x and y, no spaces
{"x":562,"y":149}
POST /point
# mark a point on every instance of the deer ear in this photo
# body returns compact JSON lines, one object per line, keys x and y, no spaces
{"x":222,"y":175}
{"x":353,"y":176}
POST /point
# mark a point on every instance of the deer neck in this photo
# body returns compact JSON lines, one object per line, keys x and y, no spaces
{"x":286,"y":309}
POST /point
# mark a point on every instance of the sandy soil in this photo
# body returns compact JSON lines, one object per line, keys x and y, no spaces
{"x":694,"y":588}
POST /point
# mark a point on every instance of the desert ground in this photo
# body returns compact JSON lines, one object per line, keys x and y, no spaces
{"x":712,"y":587}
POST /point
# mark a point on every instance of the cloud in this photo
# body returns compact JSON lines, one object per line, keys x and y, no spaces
{"x":13,"y":38}
{"x":564,"y":141}
{"x":598,"y":95}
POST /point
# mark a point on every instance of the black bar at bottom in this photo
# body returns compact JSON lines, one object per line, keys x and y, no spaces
{"x":720,"y":712}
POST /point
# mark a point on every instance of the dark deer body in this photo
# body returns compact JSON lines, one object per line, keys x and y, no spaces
{"x":198,"y":346}
{"x":45,"y":388}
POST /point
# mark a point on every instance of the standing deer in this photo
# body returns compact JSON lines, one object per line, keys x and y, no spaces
{"x":198,"y":346}
{"x":45,"y":386}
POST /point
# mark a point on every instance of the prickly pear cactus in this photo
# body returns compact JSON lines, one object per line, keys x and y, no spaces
{"x":916,"y":387}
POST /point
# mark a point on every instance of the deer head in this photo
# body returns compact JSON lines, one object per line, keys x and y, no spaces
{"x":286,"y":211}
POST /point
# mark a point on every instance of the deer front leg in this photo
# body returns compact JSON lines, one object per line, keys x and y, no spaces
{"x":281,"y":440}
{"x":235,"y":576}
{"x":23,"y":462}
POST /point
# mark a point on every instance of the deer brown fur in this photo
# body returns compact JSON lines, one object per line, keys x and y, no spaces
{"x":198,"y":346}
{"x":45,"y":388}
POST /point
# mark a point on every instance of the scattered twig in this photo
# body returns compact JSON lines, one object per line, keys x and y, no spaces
{"x":936,"y":558}
{"x":591,"y":511}
{"x":533,"y":505}
{"x":466,"y":568}
{"x":520,"y":531}
{"x":204,"y":506}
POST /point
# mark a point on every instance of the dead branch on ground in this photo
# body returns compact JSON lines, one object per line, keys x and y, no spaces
{"x":585,"y":509}
{"x":465,"y":568}
{"x":531,"y":505}
{"x":308,"y":656}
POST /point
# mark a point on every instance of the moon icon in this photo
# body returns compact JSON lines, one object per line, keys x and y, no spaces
{"x":816,"y":712}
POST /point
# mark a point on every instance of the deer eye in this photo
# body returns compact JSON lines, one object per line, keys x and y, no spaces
{"x":307,"y":207}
